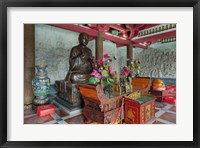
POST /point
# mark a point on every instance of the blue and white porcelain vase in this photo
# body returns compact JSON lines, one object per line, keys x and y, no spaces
{"x":40,"y":85}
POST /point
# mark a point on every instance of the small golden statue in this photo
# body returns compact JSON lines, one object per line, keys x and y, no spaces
{"x":134,"y":95}
{"x":128,"y":87}
{"x":116,"y":85}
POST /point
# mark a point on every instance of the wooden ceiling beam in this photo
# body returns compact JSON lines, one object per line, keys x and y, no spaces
{"x":120,"y":41}
{"x":116,"y":39}
{"x":77,"y":28}
{"x":139,"y":45}
{"x":118,"y":27}
{"x":92,"y":32}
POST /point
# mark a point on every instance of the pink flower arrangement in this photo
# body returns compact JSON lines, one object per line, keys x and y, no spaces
{"x":130,"y":72}
{"x":96,"y":74}
{"x":102,"y":71}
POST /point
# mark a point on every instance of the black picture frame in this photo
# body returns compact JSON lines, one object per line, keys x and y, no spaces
{"x":4,"y":4}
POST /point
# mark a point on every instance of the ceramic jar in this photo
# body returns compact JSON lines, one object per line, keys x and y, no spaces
{"x":40,"y":85}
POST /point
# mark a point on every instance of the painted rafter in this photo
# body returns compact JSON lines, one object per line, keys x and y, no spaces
{"x":153,"y":38}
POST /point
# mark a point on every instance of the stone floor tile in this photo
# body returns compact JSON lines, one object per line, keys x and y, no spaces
{"x":37,"y":119}
{"x":76,"y":120}
{"x":168,"y":117}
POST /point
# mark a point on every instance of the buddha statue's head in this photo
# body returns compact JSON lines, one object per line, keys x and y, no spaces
{"x":83,"y":38}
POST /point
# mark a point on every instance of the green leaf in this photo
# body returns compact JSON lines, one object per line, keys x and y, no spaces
{"x":132,"y":65}
{"x":111,"y":80}
{"x":97,"y":80}
{"x":129,"y":79}
{"x":105,"y":67}
{"x":104,"y":73}
{"x":135,"y":71}
{"x":107,"y":81}
{"x":92,"y":80}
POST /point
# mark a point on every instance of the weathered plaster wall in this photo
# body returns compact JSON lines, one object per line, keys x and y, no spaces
{"x":159,"y":60}
{"x":53,"y":46}
{"x":119,"y":53}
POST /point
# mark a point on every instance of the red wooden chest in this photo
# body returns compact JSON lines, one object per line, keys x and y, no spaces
{"x":139,"y":111}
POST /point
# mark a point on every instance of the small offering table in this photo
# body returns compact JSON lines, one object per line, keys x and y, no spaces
{"x":98,"y":106}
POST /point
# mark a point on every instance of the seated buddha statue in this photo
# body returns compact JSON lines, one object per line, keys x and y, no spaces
{"x":80,"y":67}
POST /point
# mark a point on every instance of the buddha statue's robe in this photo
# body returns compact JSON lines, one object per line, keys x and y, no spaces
{"x":80,"y":65}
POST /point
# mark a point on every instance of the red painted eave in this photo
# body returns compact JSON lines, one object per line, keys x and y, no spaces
{"x":92,"y":32}
{"x":77,"y":28}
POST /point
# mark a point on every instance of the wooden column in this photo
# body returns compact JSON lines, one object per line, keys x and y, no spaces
{"x":29,"y":63}
{"x":129,"y":53}
{"x":99,"y":46}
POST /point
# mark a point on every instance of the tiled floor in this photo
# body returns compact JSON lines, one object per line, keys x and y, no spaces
{"x":165,"y":114}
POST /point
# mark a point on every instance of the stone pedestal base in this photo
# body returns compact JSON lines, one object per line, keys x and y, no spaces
{"x":66,"y":104}
{"x":69,"y":93}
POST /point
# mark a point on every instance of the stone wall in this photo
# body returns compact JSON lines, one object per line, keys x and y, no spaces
{"x":119,"y":53}
{"x":53,"y":46}
{"x":159,"y":60}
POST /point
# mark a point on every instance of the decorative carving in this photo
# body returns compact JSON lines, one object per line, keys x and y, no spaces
{"x":160,"y":62}
{"x":98,"y":106}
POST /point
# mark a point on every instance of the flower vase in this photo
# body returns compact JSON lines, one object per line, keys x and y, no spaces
{"x":40,"y":85}
{"x":122,"y":84}
{"x":107,"y":89}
